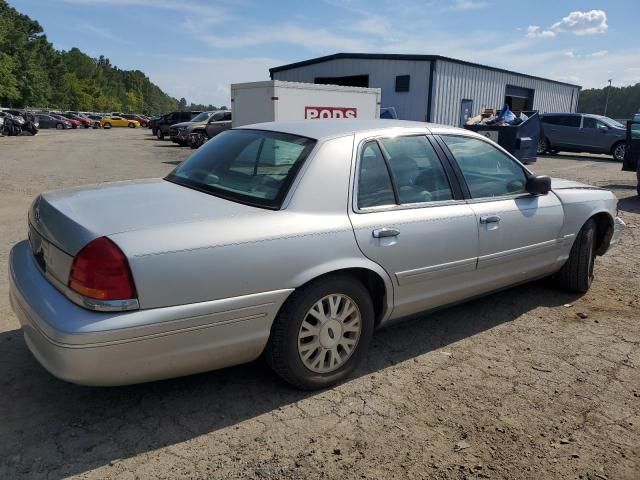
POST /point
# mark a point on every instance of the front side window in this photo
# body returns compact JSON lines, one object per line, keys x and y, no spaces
{"x":589,"y":122}
{"x":487,"y":171}
{"x":255,"y":167}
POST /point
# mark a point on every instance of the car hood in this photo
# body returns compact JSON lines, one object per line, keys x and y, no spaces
{"x":182,"y":124}
{"x":561,"y":184}
{"x":73,"y":217}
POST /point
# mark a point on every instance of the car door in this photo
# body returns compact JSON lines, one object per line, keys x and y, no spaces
{"x":409,"y":216}
{"x":594,"y":135}
{"x":518,"y":232}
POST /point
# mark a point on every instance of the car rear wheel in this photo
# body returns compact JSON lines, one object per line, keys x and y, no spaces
{"x":577,"y":273}
{"x":618,"y":151}
{"x":59,"y":126}
{"x":543,"y":146}
{"x":322,"y":333}
{"x":159,"y":134}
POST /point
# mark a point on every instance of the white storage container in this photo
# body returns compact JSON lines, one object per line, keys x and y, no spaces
{"x":275,"y":100}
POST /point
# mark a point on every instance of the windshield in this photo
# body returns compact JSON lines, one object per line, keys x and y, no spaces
{"x":201,"y":117}
{"x":611,"y":122}
{"x":250,"y":166}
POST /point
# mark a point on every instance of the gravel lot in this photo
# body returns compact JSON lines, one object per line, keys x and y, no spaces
{"x":515,"y":385}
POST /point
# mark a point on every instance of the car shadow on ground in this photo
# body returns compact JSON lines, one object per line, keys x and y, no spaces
{"x":173,"y":162}
{"x":630,"y":204}
{"x":581,"y":157}
{"x":55,"y":429}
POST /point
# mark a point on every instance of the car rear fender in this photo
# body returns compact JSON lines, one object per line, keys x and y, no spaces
{"x":352,"y":265}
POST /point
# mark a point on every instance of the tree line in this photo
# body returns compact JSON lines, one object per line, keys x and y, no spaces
{"x":623,"y":102}
{"x":34,"y":74}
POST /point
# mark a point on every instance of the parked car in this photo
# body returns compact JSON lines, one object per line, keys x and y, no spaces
{"x":582,"y":132}
{"x":200,"y":133}
{"x":74,"y":122}
{"x":96,"y":120}
{"x":109,"y":122}
{"x":83,"y":121}
{"x":179,"y":132}
{"x":47,"y":121}
{"x":636,"y":117}
{"x":141,"y":120}
{"x":152,"y":122}
{"x":293,"y":239}
{"x":161,"y":127}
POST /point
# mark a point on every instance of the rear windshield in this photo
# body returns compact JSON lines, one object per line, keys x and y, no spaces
{"x":250,"y":166}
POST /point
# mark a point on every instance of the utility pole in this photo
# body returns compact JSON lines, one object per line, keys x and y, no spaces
{"x":606,"y":102}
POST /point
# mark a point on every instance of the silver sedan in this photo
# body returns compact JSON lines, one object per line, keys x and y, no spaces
{"x":292,"y":240}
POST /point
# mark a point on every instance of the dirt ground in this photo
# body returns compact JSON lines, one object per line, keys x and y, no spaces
{"x":515,"y":385}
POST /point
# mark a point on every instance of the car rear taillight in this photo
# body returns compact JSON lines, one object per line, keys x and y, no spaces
{"x":101,"y":271}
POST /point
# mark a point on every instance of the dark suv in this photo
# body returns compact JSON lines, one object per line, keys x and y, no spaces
{"x":161,"y":127}
{"x":582,"y":132}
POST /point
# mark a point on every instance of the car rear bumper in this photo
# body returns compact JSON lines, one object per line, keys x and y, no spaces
{"x":102,"y":349}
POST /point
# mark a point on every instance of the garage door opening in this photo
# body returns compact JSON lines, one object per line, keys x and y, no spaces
{"x":350,"y":81}
{"x":519,"y":98}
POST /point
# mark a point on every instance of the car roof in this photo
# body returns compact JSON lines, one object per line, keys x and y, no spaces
{"x":319,"y":129}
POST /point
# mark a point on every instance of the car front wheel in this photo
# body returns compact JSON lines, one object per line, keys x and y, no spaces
{"x":322,"y":333}
{"x":543,"y":146}
{"x":577,"y":273}
{"x":159,"y":134}
{"x":618,"y":151}
{"x":132,"y":125}
{"x":59,"y":126}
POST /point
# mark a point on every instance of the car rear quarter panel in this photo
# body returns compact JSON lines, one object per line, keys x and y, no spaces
{"x":263,"y":250}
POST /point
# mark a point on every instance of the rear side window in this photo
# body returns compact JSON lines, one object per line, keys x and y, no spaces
{"x":374,"y":183}
{"x":417,"y":170}
{"x":487,"y":171}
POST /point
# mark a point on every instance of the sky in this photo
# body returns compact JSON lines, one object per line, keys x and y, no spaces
{"x":197,"y":48}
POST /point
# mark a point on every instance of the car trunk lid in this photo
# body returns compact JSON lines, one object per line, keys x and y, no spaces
{"x":71,"y":218}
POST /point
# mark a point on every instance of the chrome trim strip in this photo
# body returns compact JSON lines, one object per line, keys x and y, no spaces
{"x":507,"y":255}
{"x":421,"y":274}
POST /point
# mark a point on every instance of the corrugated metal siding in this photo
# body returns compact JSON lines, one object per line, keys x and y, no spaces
{"x":454,"y":82}
{"x":411,"y":105}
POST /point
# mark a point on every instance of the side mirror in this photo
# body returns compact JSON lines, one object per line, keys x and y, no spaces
{"x":538,"y":184}
{"x":603,"y":128}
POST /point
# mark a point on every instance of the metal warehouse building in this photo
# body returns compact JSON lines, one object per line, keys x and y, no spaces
{"x":434,"y":88}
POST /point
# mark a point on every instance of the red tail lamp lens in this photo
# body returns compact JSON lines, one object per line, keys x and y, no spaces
{"x":101,"y":271}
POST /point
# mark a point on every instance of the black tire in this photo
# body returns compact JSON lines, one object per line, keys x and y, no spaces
{"x":131,"y":125}
{"x":59,"y":126}
{"x":159,"y":134}
{"x":282,"y":350}
{"x":617,"y":151}
{"x":107,"y":125}
{"x":576,"y":274}
{"x":543,"y":146}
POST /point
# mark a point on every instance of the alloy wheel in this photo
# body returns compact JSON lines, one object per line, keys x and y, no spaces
{"x":329,"y":333}
{"x":619,"y":151}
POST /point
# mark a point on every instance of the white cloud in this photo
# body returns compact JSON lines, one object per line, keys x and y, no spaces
{"x":317,"y":39}
{"x":578,"y":23}
{"x":103,"y":33}
{"x":534,"y":31}
{"x":207,"y":80}
{"x":459,"y":5}
{"x":583,"y":23}
{"x":599,"y":53}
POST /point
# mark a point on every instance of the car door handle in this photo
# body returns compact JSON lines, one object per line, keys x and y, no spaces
{"x":385,"y":232}
{"x":490,"y":219}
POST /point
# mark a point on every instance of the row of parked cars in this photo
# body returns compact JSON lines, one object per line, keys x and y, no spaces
{"x":15,"y":122}
{"x":190,"y":128}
